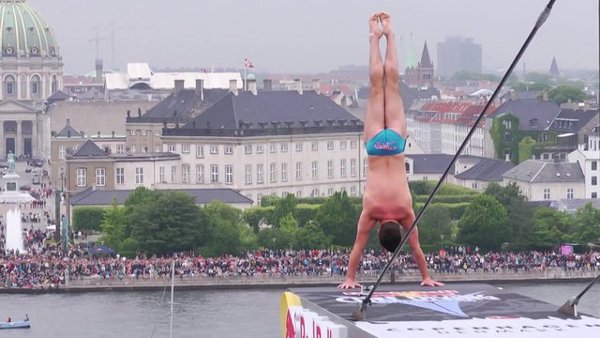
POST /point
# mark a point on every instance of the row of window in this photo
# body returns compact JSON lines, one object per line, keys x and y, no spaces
{"x":140,"y":132}
{"x":259,"y":148}
{"x":276,"y":172}
{"x":10,"y":86}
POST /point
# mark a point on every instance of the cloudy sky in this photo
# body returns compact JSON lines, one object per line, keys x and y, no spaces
{"x":311,"y":35}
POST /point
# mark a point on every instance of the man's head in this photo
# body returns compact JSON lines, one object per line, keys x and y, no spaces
{"x":390,"y":235}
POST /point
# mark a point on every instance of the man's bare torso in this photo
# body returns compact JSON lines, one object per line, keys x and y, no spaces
{"x":387,"y":196}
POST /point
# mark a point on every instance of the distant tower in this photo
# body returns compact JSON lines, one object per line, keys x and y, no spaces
{"x":554,"y":69}
{"x":420,"y":76}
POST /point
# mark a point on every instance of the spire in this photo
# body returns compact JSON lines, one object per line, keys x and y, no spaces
{"x":425,"y":60}
{"x":554,"y":68}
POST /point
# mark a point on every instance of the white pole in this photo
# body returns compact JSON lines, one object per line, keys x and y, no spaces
{"x":172,"y":288}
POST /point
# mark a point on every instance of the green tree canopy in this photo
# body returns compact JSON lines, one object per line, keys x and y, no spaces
{"x":338,"y":217}
{"x":519,"y":213}
{"x":434,"y":224}
{"x":564,"y":93}
{"x":166,"y":223}
{"x":485,"y":224}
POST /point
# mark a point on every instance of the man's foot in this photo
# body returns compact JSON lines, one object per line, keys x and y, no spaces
{"x":374,"y":29}
{"x":386,"y":23}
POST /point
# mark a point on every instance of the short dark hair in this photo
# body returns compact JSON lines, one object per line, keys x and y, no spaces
{"x":390,"y":236}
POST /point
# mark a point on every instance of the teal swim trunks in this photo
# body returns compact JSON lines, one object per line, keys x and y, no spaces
{"x":386,"y":143}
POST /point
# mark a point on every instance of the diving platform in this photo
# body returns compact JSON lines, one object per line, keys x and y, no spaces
{"x":454,"y":310}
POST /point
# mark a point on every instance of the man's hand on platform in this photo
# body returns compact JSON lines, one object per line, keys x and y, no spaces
{"x":349,"y":284}
{"x":430,"y":282}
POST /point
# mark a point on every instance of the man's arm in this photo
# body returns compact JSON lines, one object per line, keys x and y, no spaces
{"x":365,"y":224}
{"x":419,"y":257}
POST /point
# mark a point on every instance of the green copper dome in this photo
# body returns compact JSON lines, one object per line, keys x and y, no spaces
{"x":24,"y":32}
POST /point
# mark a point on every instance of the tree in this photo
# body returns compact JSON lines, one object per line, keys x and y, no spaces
{"x":222,"y":229}
{"x":284,"y":207}
{"x":564,"y":93}
{"x":114,"y":226}
{"x":587,"y":224}
{"x":485,"y":224}
{"x":311,"y":236}
{"x":519,"y":213}
{"x":549,"y":228}
{"x":166,"y":223}
{"x":338,"y":217}
{"x":434,"y":224}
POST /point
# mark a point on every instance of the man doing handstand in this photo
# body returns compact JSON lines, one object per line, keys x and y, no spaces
{"x":387,"y":197}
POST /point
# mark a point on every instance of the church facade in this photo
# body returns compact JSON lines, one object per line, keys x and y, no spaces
{"x":31,"y":69}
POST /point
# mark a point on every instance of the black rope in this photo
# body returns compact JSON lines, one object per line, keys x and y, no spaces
{"x":540,"y":21}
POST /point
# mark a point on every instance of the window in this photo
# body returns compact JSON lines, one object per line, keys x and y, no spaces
{"x":185,"y":173}
{"x":100,"y":177}
{"x":353,"y":167}
{"x":157,"y":132}
{"x":284,"y":147}
{"x":157,"y":148}
{"x":284,"y":172}
{"x":258,"y":198}
{"x":273,"y":148}
{"x":228,"y":150}
{"x":133,"y":148}
{"x":352,"y":144}
{"x":315,"y":146}
{"x":61,"y":152}
{"x":131,"y":132}
{"x":299,"y":194}
{"x":200,"y":173}
{"x":248,"y":149}
{"x":120,"y":175}
{"x":594,"y":195}
{"x":342,"y":145}
{"x":569,"y":193}
{"x":273,"y":172}
{"x":594,"y":180}
{"x":298,"y":171}
{"x":172,"y":148}
{"x":144,"y":132}
{"x":199,"y":151}
{"x":185,"y":148}
{"x":314,"y":193}
{"x":214,"y":149}
{"x":260,"y":175}
{"x":546,"y":194}
{"x":173,"y":173}
{"x":120,"y":148}
{"x":594,"y":165}
{"x":329,"y":191}
{"x":299,"y":146}
{"x":330,"y":169}
{"x":229,"y":174}
{"x":474,"y":185}
{"x":81,"y":177}
{"x":330,"y":145}
{"x":352,"y":191}
{"x":161,"y":174}
{"x":260,"y":149}
{"x":248,"y":173}
{"x":138,"y":132}
{"x":343,"y":168}
{"x":365,"y":167}
{"x":214,"y":173}
{"x":35,"y":86}
{"x":139,"y":175}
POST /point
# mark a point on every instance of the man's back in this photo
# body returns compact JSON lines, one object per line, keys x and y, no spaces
{"x":387,"y":195}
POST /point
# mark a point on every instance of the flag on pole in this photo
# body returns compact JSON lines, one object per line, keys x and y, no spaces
{"x":248,"y":63}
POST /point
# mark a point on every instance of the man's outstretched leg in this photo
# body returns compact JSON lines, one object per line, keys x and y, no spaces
{"x":374,"y":115}
{"x":394,"y":108}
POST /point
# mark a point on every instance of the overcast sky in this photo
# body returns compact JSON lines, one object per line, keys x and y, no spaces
{"x":311,"y":35}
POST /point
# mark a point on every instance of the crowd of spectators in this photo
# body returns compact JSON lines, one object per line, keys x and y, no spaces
{"x":45,"y":266}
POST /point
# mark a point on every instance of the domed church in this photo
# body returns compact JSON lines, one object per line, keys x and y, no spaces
{"x":31,"y":70}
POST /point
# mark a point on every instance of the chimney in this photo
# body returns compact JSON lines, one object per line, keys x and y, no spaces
{"x":200,"y":89}
{"x":233,"y":86}
{"x":316,"y":86}
{"x":298,"y":86}
{"x":178,"y":86}
{"x":545,"y":95}
{"x":268,"y":84}
{"x":99,"y":70}
{"x":68,"y":122}
{"x":98,"y":134}
{"x":252,"y":87}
